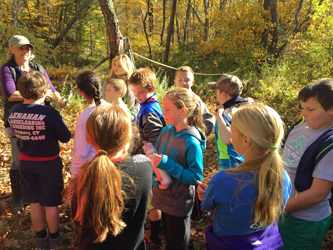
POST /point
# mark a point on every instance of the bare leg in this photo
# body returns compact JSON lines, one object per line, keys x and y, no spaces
{"x":37,"y":216}
{"x":155,"y":214}
{"x":52,"y":218}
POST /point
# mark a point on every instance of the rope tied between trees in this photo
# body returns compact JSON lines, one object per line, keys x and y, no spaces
{"x":203,"y":74}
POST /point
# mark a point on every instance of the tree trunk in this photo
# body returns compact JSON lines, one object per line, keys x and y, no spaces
{"x":197,"y":15}
{"x":222,"y":4}
{"x":91,"y":41}
{"x":177,"y":26}
{"x":71,"y":23}
{"x":32,"y":25}
{"x":206,"y":27}
{"x":162,"y":33}
{"x":173,"y":36}
{"x":187,"y":19}
{"x":151,"y":19}
{"x":16,"y":7}
{"x":276,"y":31}
{"x":170,"y":31}
{"x":264,"y":36}
{"x":112,"y":26}
{"x":145,"y":28}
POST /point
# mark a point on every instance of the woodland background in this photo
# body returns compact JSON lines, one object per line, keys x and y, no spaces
{"x":275,"y":47}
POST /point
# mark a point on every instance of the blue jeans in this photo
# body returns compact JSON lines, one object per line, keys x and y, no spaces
{"x":15,"y":162}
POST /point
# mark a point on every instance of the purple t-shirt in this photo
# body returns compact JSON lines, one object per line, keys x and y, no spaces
{"x":8,"y":84}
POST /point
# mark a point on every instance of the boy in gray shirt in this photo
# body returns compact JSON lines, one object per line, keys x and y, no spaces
{"x":308,"y":212}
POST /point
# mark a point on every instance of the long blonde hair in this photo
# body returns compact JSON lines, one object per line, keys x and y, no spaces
{"x":182,"y":97}
{"x":100,"y":197}
{"x":264,"y":127}
{"x":125,"y":63}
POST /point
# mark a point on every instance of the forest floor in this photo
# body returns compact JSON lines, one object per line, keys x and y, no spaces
{"x":16,"y":230}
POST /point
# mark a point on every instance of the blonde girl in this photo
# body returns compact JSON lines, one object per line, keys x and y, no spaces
{"x":179,"y":146}
{"x":113,"y":188}
{"x":250,"y":197}
{"x":122,"y":68}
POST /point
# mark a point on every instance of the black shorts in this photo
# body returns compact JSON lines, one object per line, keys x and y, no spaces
{"x":42,"y":182}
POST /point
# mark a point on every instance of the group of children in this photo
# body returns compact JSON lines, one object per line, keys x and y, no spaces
{"x":113,"y":183}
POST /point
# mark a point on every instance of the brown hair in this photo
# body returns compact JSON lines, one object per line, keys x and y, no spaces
{"x":184,"y":69}
{"x":321,"y":90}
{"x":100,"y":197}
{"x":32,"y":85}
{"x":230,"y":84}
{"x":118,"y":84}
{"x":264,"y":127}
{"x":182,"y":97}
{"x":125,"y":63}
{"x":144,"y":77}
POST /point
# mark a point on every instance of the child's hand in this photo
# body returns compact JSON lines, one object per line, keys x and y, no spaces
{"x":62,"y":104}
{"x":249,"y":100}
{"x":156,"y":160}
{"x":49,"y":94}
{"x":219,"y":110}
{"x":164,"y":187}
{"x":201,"y":190}
{"x":157,"y":179}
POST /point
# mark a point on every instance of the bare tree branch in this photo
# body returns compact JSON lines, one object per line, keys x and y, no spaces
{"x":145,"y":28}
{"x":162,"y":33}
{"x":32,"y":25}
{"x":297,"y":14}
{"x":197,"y":15}
{"x":70,"y":24}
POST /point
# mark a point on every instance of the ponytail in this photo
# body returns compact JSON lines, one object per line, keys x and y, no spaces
{"x":97,"y":97}
{"x":270,"y":191}
{"x":195,"y":119}
{"x":99,"y":197}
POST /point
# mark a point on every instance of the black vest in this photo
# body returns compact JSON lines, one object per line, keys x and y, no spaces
{"x":16,"y":74}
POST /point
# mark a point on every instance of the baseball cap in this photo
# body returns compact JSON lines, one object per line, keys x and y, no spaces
{"x":19,"y":41}
{"x":232,"y":84}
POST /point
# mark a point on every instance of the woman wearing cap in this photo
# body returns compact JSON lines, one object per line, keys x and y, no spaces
{"x":20,"y":61}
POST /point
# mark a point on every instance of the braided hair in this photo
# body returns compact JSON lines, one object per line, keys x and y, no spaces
{"x":90,"y":83}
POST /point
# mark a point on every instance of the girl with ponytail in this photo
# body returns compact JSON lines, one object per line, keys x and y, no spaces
{"x":179,"y":146}
{"x":88,"y":85}
{"x":113,"y":189}
{"x":250,"y":197}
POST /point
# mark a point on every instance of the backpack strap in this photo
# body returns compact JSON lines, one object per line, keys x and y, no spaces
{"x":310,"y":158}
{"x":292,"y":127}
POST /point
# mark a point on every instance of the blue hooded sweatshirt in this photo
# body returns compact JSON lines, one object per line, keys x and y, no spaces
{"x":182,"y":159}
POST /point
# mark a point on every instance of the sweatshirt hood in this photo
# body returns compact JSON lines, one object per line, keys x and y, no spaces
{"x":191,"y":132}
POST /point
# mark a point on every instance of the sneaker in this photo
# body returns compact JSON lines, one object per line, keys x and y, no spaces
{"x":151,"y":245}
{"x":196,"y":221}
{"x":56,"y":242}
{"x":41,"y":242}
